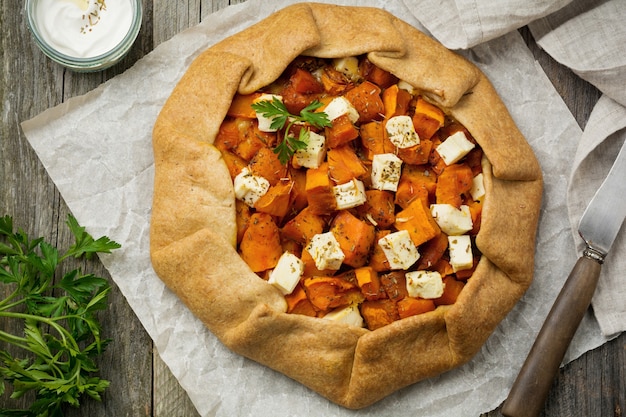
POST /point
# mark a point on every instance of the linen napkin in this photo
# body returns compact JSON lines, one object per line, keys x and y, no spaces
{"x":461,"y":24}
{"x":590,"y":38}
{"x":104,"y":171}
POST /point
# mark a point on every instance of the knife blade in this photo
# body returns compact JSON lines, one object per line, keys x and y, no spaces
{"x":598,"y":227}
{"x":605,"y":214}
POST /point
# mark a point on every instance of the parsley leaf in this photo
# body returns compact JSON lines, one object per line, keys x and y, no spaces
{"x":288,"y":147}
{"x":62,"y":336}
{"x":85,"y":244}
{"x":276,"y":111}
{"x":317,"y":119}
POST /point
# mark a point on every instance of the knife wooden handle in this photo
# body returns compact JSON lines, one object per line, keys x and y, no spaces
{"x":530,"y":390}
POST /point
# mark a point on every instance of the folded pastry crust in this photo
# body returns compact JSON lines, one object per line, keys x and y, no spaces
{"x":193,"y":227}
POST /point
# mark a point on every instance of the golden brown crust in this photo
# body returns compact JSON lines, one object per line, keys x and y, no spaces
{"x":193,"y":218}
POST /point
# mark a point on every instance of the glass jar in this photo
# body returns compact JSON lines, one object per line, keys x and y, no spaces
{"x":55,"y":37}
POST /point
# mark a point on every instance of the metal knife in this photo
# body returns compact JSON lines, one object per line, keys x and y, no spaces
{"x":598,"y":227}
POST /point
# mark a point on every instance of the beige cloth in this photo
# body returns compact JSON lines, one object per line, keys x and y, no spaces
{"x":461,"y":24}
{"x":589,"y":37}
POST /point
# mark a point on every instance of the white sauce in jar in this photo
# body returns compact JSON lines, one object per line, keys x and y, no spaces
{"x":83,"y":28}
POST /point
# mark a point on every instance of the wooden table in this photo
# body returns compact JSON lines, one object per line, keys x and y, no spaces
{"x":141,"y":385}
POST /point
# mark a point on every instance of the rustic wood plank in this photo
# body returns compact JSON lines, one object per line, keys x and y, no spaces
{"x":31,"y":83}
{"x":170,"y":399}
{"x":172,"y":17}
{"x":25,"y":74}
{"x":592,"y":385}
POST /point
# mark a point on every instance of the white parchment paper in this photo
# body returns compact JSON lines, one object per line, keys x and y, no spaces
{"x":97,"y":149}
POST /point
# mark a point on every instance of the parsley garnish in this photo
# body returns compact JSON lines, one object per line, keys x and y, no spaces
{"x":275,"y":109}
{"x":61,"y":337}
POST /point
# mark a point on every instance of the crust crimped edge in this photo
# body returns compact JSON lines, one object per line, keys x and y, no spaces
{"x":193,"y":218}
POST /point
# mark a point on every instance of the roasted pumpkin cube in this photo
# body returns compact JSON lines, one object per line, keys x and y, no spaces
{"x":260,"y":245}
{"x":344,"y":164}
{"x":265,"y":163}
{"x":367,"y":101}
{"x":369,"y":282}
{"x":326,"y":293}
{"x":396,"y":101}
{"x":276,"y":200}
{"x":341,"y":131}
{"x":355,"y":237}
{"x":394,"y":284}
{"x":379,"y":313}
{"x":417,"y":220}
{"x":452,"y":290}
{"x":304,"y":226}
{"x":379,"y":208}
{"x":452,"y":183}
{"x":427,"y":118}
{"x":319,"y":190}
{"x":410,"y":306}
{"x":298,"y":303}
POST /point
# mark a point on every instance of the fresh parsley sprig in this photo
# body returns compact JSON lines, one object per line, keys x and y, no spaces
{"x":61,"y":337}
{"x":276,"y":111}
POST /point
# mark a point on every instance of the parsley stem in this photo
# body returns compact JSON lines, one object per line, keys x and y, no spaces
{"x":53,"y":361}
{"x":15,"y":304}
{"x":65,"y":335}
{"x":15,"y":340}
{"x":5,"y":306}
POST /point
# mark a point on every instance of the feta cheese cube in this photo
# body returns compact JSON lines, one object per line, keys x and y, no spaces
{"x":265,"y":123}
{"x":403,"y":85}
{"x":402,"y":132}
{"x":349,"y":315}
{"x":478,"y":187}
{"x":340,"y":106}
{"x":454,"y":148}
{"x":451,"y":220}
{"x":318,"y":73}
{"x":351,"y":194}
{"x":286,"y":275}
{"x":348,"y":66}
{"x":325,"y":251}
{"x":399,"y":249}
{"x":249,"y":187}
{"x":424,"y":284}
{"x":460,"y":249}
{"x":313,"y":155}
{"x":386,"y":169}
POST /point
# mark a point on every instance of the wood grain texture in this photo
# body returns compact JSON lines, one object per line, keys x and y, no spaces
{"x":170,"y":399}
{"x":141,"y":384}
{"x":31,"y":83}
